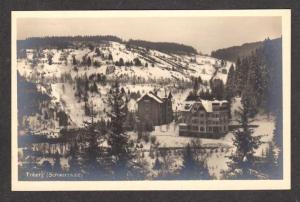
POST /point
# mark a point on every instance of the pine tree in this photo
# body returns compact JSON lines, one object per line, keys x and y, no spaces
{"x":86,"y":109}
{"x":120,"y":150}
{"x":217,"y":89}
{"x":50,"y":56}
{"x":270,"y":165}
{"x":200,"y":80}
{"x":195,"y":86}
{"x":89,"y":62}
{"x":47,"y":166}
{"x":193,"y":167}
{"x":188,"y":170}
{"x":86,"y":89}
{"x":240,"y":75}
{"x":242,"y":165}
{"x":94,"y":88}
{"x":97,"y":51}
{"x":57,"y":165}
{"x":249,"y":99}
{"x":137,"y":62}
{"x":272,"y":56}
{"x":92,"y":136}
{"x":74,"y":61}
{"x":252,"y":89}
{"x":230,"y":84}
{"x":121,"y":62}
{"x":63,"y":88}
{"x":157,"y":164}
{"x":110,"y":57}
{"x":74,"y":158}
{"x":62,"y":118}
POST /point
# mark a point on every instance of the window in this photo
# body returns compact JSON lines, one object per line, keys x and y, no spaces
{"x":201,"y":129}
{"x":195,"y":128}
{"x":195,"y":121}
{"x":182,"y":127}
{"x":216,"y":129}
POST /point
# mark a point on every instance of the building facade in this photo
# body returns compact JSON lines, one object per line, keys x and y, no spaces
{"x":153,"y":110}
{"x":204,"y":118}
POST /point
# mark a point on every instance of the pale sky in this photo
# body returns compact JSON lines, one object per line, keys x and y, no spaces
{"x":203,"y":33}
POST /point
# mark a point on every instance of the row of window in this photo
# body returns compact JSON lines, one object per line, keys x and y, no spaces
{"x":212,"y":115}
{"x":208,"y":122}
{"x":202,"y":129}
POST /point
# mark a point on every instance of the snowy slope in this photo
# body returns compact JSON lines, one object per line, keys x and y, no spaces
{"x":159,"y":71}
{"x":160,"y":65}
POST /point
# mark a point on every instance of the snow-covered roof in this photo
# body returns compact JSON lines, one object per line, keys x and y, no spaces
{"x":151,"y":95}
{"x":207,"y":104}
{"x":187,"y":105}
{"x":219,"y":101}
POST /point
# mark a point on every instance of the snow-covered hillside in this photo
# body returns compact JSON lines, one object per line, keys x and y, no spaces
{"x":154,"y":64}
{"x":143,"y":71}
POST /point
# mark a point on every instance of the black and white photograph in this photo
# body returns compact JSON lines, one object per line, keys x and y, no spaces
{"x":191,"y":97}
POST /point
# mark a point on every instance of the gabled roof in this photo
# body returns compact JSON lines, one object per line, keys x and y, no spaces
{"x":151,"y":95}
{"x":187,"y":106}
{"x":207,"y":104}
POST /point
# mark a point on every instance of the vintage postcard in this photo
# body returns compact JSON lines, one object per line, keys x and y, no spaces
{"x":151,"y":100}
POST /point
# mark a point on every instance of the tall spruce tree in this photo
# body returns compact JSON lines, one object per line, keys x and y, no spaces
{"x":195,"y":86}
{"x":191,"y":168}
{"x":230,"y":84}
{"x":121,"y":151}
{"x":252,"y":89}
{"x":189,"y":165}
{"x":93,"y":137}
{"x":242,"y":164}
{"x":74,"y":158}
{"x":218,"y":89}
{"x":272,"y":55}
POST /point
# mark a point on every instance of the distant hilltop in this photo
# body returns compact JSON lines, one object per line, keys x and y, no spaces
{"x":71,"y":41}
{"x":235,"y":52}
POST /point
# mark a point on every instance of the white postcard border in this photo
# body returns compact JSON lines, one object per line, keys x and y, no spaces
{"x":283,"y":184}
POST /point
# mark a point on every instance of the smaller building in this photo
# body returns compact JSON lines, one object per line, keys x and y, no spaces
{"x":153,"y":110}
{"x":204,"y":118}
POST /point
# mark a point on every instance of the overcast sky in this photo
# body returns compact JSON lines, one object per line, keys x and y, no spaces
{"x":203,"y":33}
